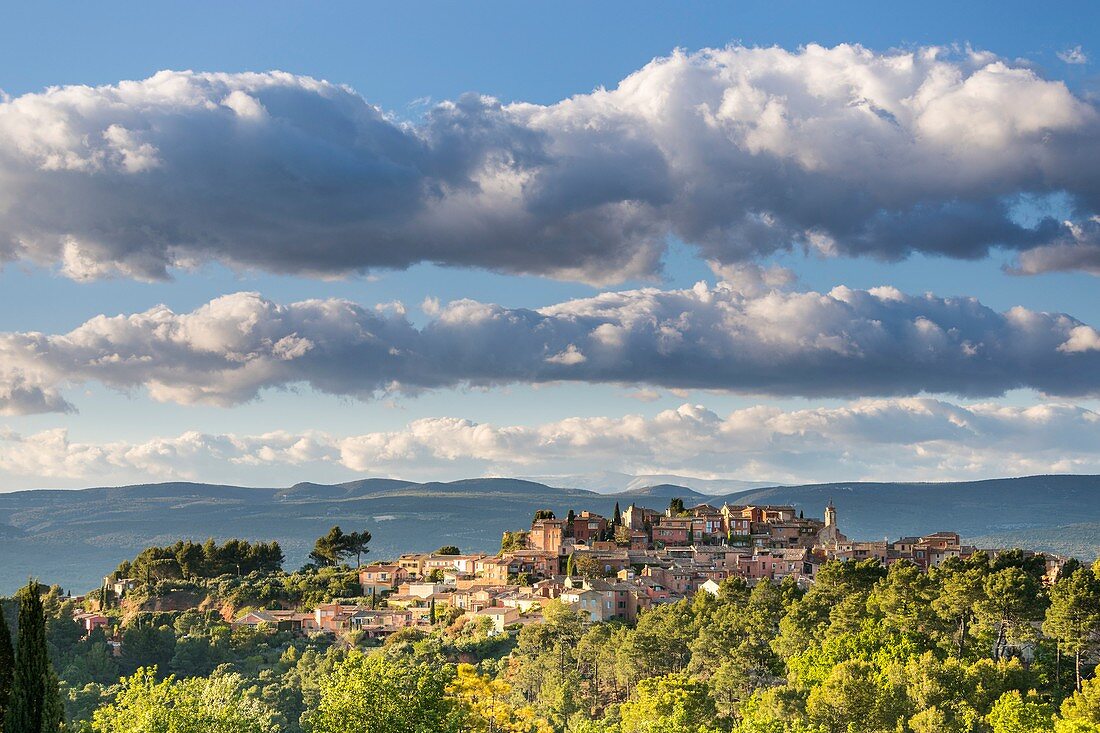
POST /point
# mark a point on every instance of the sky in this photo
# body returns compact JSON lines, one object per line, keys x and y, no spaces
{"x":776,"y":241}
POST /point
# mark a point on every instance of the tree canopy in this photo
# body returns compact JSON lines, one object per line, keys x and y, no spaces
{"x":336,"y":546}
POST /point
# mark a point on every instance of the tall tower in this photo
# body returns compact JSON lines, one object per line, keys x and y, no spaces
{"x":830,"y":535}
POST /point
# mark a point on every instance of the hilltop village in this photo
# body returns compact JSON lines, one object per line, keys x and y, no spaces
{"x":605,"y":568}
{"x":754,"y":619}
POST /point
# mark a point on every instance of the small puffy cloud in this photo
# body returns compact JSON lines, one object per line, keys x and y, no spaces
{"x":751,"y":278}
{"x":1082,"y":338}
{"x":1076,"y":249}
{"x":740,"y":152}
{"x":1074,"y":55}
{"x":569,"y":357}
{"x":892,"y":439}
{"x":844,"y":343}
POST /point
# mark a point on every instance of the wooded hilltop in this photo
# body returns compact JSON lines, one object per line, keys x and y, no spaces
{"x":985,"y":644}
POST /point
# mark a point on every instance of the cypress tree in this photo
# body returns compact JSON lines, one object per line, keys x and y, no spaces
{"x":35,"y":702}
{"x":7,"y":665}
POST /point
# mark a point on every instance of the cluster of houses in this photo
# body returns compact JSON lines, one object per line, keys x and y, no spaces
{"x":613,"y":568}
{"x":606,"y":568}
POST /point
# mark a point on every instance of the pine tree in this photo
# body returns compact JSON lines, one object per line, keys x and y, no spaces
{"x":1074,"y":615}
{"x":35,"y":702}
{"x":7,"y":666}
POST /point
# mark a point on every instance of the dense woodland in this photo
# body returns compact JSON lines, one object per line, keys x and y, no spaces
{"x":186,"y":559}
{"x":976,"y":645}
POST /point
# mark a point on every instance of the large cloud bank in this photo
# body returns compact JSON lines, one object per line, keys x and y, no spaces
{"x":874,"y":439}
{"x":842,"y":343}
{"x":739,"y":151}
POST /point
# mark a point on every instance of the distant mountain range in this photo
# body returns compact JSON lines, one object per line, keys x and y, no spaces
{"x":76,"y":537}
{"x":612,"y":482}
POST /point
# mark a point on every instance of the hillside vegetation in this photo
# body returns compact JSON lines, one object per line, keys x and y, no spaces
{"x":975,"y":646}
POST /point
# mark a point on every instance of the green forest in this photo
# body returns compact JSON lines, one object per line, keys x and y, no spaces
{"x":973,"y":646}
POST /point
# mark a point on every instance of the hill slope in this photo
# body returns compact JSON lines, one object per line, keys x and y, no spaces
{"x":613,"y":482}
{"x":76,"y":537}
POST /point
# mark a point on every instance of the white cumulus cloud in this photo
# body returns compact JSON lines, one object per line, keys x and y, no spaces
{"x":889,"y":439}
{"x":738,"y":151}
{"x":845,"y":342}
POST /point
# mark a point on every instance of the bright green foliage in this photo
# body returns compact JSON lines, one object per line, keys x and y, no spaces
{"x":1013,"y":713}
{"x":837,"y":600}
{"x":776,"y":710}
{"x":1084,"y":705}
{"x":215,"y":705}
{"x":1075,"y":726}
{"x":368,"y":693}
{"x":947,"y":695}
{"x":35,"y":702}
{"x":670,"y":704}
{"x":856,"y":696}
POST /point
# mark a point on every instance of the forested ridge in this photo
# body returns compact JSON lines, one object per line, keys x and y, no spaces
{"x":973,"y":646}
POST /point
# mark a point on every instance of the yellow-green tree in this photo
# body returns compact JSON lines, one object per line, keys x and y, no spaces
{"x":1082,"y":709}
{"x":1013,"y":713}
{"x":856,"y":697}
{"x":215,"y":705}
{"x":374,"y":693}
{"x":488,"y":706}
{"x":673,"y":703}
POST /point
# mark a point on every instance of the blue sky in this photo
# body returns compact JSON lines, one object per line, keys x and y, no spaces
{"x":407,"y":58}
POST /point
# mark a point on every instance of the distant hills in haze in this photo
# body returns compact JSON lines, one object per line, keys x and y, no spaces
{"x":612,"y":482}
{"x":75,"y":537}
